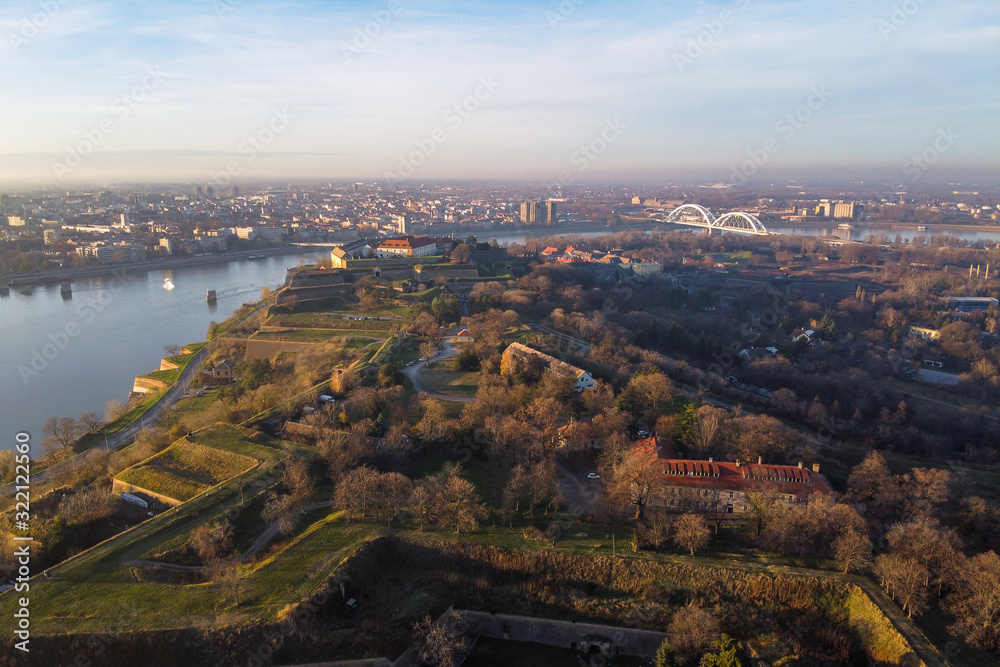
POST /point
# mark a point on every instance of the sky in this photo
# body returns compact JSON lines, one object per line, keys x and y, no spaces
{"x":229,"y":91}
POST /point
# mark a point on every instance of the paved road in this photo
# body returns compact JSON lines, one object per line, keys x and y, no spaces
{"x":414,"y":372}
{"x":127,"y":434}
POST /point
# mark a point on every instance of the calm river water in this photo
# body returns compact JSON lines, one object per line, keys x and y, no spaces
{"x":61,"y":358}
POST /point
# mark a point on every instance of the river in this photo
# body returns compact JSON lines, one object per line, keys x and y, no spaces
{"x":63,"y":357}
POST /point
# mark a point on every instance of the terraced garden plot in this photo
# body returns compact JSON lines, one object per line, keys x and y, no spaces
{"x":185,"y":469}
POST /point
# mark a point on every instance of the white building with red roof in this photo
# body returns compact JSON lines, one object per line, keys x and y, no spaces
{"x":407,"y":246}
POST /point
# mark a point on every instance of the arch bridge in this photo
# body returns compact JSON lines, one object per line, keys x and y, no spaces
{"x":696,"y":215}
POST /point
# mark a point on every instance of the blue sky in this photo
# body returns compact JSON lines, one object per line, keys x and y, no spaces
{"x":198,"y":78}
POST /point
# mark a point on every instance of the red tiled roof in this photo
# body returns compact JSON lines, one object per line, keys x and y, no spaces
{"x":743,"y":476}
{"x":407,"y":242}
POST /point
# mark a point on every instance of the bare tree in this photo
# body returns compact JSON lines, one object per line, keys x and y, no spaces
{"x":60,"y":432}
{"x":706,"y":427}
{"x":636,"y":479}
{"x":691,"y":532}
{"x":355,"y":490}
{"x":298,"y":481}
{"x":212,"y":542}
{"x":976,"y":601}
{"x":904,"y":580}
{"x":422,"y":500}
{"x":91,"y":421}
{"x":115,"y":409}
{"x":231,"y":579}
{"x":691,"y":631}
{"x":172,"y":350}
{"x":852,"y":548}
{"x":391,"y":490}
{"x":441,"y":642}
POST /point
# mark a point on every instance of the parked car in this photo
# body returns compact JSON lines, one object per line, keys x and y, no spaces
{"x":593,"y":475}
{"x":326,"y":399}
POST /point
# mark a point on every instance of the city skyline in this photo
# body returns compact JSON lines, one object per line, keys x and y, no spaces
{"x":232,"y":91}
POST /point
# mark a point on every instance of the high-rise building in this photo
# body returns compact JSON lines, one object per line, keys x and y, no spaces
{"x":851,"y":211}
{"x":540,"y":212}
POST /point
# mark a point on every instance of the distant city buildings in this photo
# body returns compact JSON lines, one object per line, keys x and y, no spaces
{"x":538,"y":212}
{"x":113,"y":253}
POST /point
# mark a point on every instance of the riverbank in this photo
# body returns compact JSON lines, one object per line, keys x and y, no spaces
{"x":60,"y":275}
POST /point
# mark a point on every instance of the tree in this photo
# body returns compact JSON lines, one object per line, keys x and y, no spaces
{"x":298,"y":481}
{"x":212,"y":542}
{"x":279,"y":508}
{"x":388,"y":375}
{"x":254,"y":374}
{"x":706,"y":427}
{"x":231,"y":579}
{"x":446,"y":308}
{"x":904,"y":580}
{"x":441,"y":642}
{"x":645,"y":395}
{"x":355,"y":489}
{"x":428,"y":350}
{"x":462,"y":252}
{"x":115,"y":409}
{"x":172,"y":349}
{"x":636,"y":479}
{"x":852,"y":548}
{"x":975,"y":603}
{"x":460,"y":505}
{"x":60,"y":432}
{"x":391,"y":489}
{"x":726,"y":655}
{"x":664,"y":654}
{"x":691,"y":532}
{"x":422,"y":499}
{"x":91,"y":421}
{"x":692,"y":630}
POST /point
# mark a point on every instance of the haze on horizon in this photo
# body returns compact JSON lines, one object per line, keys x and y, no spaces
{"x":174,"y":90}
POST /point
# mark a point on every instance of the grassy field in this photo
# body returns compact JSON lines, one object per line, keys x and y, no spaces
{"x":345,"y":337}
{"x":329,"y":321}
{"x":186,"y":469}
{"x":444,"y":378}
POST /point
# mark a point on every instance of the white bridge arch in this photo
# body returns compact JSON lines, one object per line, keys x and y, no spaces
{"x":699,"y":216}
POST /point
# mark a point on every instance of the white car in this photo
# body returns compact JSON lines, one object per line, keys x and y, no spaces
{"x":593,"y":475}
